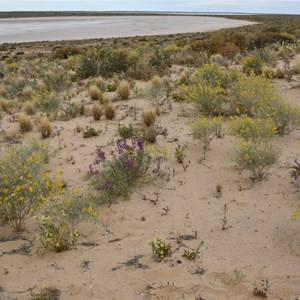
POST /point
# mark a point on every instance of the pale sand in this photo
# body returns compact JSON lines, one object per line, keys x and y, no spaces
{"x":74,"y":28}
{"x":262,"y":241}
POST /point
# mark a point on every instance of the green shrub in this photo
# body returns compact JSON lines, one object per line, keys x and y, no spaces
{"x":125,"y":132}
{"x":104,"y":62}
{"x":58,"y":226}
{"x":204,"y":130}
{"x":48,"y":102}
{"x":25,"y":185}
{"x":257,"y":157}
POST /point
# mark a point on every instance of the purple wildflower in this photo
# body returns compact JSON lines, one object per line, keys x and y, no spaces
{"x":140,"y":144}
{"x":101,"y":155}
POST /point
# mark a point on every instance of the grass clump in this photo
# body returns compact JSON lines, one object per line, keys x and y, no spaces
{"x":25,"y":123}
{"x":29,"y":108}
{"x":149,"y":116}
{"x":25,"y":185}
{"x":124,"y":90}
{"x":97,"y":111}
{"x":109,"y":111}
{"x":45,"y":127}
{"x":118,"y":175}
{"x":95,"y":93}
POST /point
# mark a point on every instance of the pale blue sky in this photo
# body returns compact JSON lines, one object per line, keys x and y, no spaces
{"x":260,"y":6}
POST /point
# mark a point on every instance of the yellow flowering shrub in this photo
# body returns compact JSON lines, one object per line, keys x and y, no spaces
{"x":256,"y":156}
{"x":25,"y":185}
{"x":250,"y":129}
{"x":58,"y":226}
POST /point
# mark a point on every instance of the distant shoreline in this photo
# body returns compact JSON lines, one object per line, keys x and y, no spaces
{"x":29,"y":14}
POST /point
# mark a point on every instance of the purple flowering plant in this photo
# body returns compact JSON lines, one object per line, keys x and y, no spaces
{"x":116,"y":173}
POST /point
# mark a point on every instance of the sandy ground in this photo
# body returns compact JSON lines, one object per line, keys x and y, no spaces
{"x":73,"y":28}
{"x":261,"y":242}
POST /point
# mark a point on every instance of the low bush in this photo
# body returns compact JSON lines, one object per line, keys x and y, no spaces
{"x":25,"y":185}
{"x":256,"y":156}
{"x":48,"y":102}
{"x":127,"y":164}
{"x":58,"y":225}
{"x":204,"y":130}
{"x":125,"y":132}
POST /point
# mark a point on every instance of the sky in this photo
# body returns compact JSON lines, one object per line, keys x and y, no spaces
{"x":245,"y":6}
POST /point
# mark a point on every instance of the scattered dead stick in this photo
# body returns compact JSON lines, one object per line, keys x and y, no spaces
{"x":145,"y":198}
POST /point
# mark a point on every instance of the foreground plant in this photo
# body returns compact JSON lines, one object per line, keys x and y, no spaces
{"x":160,"y":248}
{"x":118,"y":175}
{"x":295,"y":174}
{"x":25,"y":185}
{"x":58,"y":226}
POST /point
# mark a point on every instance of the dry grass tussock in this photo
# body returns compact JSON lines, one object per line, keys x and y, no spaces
{"x":45,"y":127}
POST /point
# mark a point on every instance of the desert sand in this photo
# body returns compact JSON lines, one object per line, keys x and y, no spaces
{"x":112,"y":259}
{"x":72,"y":28}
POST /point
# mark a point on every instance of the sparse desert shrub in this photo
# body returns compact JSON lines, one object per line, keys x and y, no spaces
{"x":95,"y":93}
{"x":251,"y":129}
{"x":280,"y":73}
{"x":160,"y":249}
{"x":104,"y":62}
{"x":125,"y":132}
{"x":45,"y":127}
{"x":66,"y":52}
{"x":58,"y":226}
{"x":100,"y":83}
{"x":46,"y":293}
{"x":112,"y":86}
{"x":124,"y":90}
{"x":155,"y":91}
{"x":97,"y":111}
{"x":252,"y":64}
{"x":29,"y":108}
{"x":25,"y":123}
{"x":48,"y":102}
{"x":109,"y":111}
{"x":90,"y":132}
{"x":204,"y":130}
{"x":118,"y":175}
{"x":251,"y":94}
{"x":25,"y":185}
{"x":256,"y":156}
{"x":149,"y":116}
{"x":285,"y":116}
{"x":179,"y":154}
{"x":148,"y":134}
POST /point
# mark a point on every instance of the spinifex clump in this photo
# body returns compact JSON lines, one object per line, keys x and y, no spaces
{"x":117,"y":175}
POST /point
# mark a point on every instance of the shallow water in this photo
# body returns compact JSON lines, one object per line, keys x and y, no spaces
{"x":75,"y":28}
